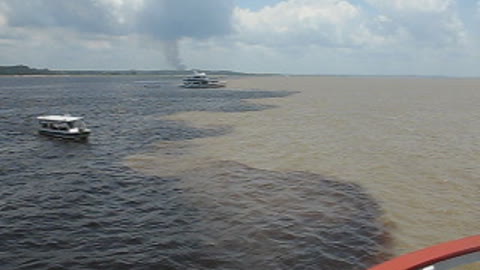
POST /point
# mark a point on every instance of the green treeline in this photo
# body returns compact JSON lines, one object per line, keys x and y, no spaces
{"x":25,"y":70}
{"x":22,"y":70}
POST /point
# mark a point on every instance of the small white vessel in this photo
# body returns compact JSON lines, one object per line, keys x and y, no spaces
{"x":63,"y":126}
{"x":200,"y":80}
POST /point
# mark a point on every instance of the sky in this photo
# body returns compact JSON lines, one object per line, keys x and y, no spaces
{"x":341,"y":37}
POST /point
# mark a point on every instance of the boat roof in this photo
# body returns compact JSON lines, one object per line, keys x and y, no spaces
{"x":59,"y":118}
{"x":196,"y":72}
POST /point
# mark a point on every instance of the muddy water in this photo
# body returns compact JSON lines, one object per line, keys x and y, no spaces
{"x":333,"y":170}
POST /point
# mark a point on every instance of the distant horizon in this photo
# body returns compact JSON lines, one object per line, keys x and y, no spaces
{"x":228,"y":72}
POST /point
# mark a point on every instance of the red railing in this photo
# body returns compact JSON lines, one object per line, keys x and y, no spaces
{"x":441,"y":256}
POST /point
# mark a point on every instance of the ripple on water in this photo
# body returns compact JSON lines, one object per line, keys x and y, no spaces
{"x":71,"y":206}
{"x":222,"y":216}
{"x":252,"y":218}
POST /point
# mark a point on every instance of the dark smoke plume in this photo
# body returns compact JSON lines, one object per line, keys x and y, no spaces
{"x":170,"y":21}
{"x":170,"y":49}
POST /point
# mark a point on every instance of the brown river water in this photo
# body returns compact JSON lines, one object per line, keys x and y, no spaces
{"x":364,"y":166}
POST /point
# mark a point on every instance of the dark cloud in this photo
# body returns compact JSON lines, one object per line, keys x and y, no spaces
{"x":169,"y":21}
{"x":83,"y":16}
{"x":163,"y":20}
{"x":170,"y":50}
{"x":174,"y":19}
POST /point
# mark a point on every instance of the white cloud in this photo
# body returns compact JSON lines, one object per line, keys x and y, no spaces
{"x":321,"y":22}
{"x":338,"y":23}
{"x":400,"y":36}
{"x":286,"y":15}
{"x":123,"y":10}
{"x":341,"y":24}
{"x":413,"y":5}
{"x":97,"y":44}
{"x":3,"y":17}
{"x":3,"y":20}
{"x":431,"y":23}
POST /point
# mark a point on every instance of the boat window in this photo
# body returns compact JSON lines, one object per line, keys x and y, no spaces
{"x":79,"y":124}
{"x":59,"y":126}
{"x":63,"y":126}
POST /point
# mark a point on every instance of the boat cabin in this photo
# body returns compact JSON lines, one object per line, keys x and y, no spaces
{"x":200,"y":80}
{"x":63,"y":126}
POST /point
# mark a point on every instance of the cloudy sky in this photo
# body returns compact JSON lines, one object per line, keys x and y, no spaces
{"x":366,"y":37}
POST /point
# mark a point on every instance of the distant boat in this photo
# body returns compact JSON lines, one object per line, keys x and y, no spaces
{"x":200,"y":80}
{"x":63,"y":126}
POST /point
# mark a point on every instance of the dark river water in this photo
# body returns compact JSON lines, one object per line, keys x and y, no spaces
{"x":69,"y":205}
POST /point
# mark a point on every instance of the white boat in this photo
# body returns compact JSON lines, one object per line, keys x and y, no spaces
{"x":63,"y":126}
{"x":200,"y":80}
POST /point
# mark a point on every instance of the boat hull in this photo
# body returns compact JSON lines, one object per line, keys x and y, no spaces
{"x":76,"y":136}
{"x":206,"y":85}
{"x":200,"y":80}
